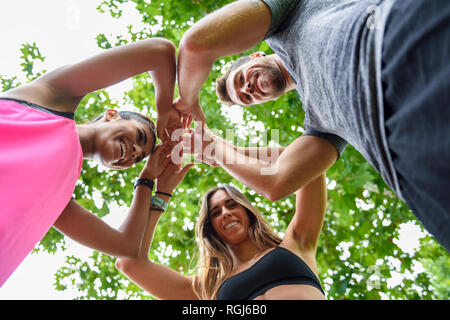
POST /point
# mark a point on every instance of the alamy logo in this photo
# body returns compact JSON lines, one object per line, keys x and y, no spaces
{"x":73,"y":18}
{"x":202,"y":144}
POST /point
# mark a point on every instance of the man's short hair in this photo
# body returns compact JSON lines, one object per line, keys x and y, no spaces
{"x":221,"y":88}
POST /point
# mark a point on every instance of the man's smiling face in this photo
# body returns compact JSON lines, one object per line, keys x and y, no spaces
{"x":257,"y":81}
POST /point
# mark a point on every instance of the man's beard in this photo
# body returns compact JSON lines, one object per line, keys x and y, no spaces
{"x":273,"y":80}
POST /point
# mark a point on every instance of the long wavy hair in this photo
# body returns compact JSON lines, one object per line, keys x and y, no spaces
{"x":216,"y":263}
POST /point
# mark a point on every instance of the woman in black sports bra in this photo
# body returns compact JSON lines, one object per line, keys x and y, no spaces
{"x":241,"y":257}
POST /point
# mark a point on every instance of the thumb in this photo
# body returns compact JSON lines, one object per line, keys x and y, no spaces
{"x":186,"y":168}
{"x":161,"y":131}
{"x":199,"y":115}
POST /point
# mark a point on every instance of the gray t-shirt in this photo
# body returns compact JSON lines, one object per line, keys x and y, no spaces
{"x":332,"y":50}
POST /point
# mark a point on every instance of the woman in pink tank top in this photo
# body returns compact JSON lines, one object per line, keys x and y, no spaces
{"x":42,"y":149}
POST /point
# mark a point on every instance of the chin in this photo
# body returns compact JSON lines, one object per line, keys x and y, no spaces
{"x":114,"y":166}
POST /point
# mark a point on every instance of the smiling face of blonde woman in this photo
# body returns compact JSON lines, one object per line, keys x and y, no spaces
{"x":229,"y":219}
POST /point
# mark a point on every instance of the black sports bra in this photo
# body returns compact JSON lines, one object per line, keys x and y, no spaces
{"x":69,"y":115}
{"x":277,"y":267}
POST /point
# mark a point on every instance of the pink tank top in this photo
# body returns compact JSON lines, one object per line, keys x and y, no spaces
{"x":40,"y":162}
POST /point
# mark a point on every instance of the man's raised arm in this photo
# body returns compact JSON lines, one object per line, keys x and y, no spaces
{"x":232,"y":29}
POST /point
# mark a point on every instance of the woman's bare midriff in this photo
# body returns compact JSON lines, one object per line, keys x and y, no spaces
{"x":292,"y":292}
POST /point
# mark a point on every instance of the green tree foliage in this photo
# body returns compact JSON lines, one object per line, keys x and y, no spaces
{"x":358,"y":252}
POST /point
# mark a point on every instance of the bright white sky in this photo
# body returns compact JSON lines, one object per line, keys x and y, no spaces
{"x":65,"y":31}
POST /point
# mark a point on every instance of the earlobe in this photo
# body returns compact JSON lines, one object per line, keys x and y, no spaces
{"x":111,"y":115}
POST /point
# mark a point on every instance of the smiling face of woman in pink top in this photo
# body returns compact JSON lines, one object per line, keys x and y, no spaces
{"x":119,"y":143}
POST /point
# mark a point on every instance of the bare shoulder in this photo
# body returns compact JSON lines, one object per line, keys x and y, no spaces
{"x":38,"y":92}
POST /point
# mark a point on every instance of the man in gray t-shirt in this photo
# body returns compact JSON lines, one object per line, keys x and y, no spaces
{"x":331,"y":52}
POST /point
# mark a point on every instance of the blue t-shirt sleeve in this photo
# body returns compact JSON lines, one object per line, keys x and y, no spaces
{"x":335,"y":140}
{"x":280,"y":9}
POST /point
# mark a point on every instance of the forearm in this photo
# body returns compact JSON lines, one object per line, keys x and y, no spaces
{"x":193,"y":70}
{"x":153,"y":219}
{"x":311,"y":201}
{"x":159,"y":280}
{"x":266,"y":154}
{"x":89,"y":230}
{"x":133,"y":227}
{"x":216,"y":35}
{"x":299,"y":163}
{"x":164,"y":76}
{"x":140,"y":224}
{"x":251,"y":171}
{"x":106,"y":68}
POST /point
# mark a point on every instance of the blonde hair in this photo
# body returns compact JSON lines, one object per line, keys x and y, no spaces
{"x":215,"y":263}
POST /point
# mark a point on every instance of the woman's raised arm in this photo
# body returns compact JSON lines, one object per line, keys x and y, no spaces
{"x":63,"y":88}
{"x":160,"y":281}
{"x":304,"y":229}
{"x":86,"y":228}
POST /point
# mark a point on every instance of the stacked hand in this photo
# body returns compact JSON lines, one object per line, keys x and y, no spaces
{"x":167,"y":123}
{"x":170,"y":126}
{"x":192,"y":110}
{"x":201,"y":144}
{"x":159,"y":167}
{"x":179,"y":117}
{"x":171,"y":177}
{"x":157,"y":162}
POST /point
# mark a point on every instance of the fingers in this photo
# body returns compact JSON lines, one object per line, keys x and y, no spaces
{"x":182,"y":172}
{"x":186,"y":120}
{"x":199,"y":115}
{"x":189,"y":121}
{"x":166,"y":135}
{"x":165,"y":154}
{"x":205,"y":159}
{"x":176,"y":155}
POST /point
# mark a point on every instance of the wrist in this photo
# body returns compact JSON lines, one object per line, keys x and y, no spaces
{"x":215,"y":145}
{"x":148,"y":176}
{"x":214,"y":141}
{"x":148,"y":183}
{"x":166,"y":196}
{"x":163,"y":192}
{"x":159,"y":202}
{"x":190,"y":99}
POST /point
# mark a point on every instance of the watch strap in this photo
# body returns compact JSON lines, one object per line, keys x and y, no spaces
{"x":142,"y":181}
{"x":159,"y":203}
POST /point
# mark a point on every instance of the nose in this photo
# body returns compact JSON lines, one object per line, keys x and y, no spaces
{"x":226,"y":212}
{"x":248,"y":88}
{"x":136,"y":151}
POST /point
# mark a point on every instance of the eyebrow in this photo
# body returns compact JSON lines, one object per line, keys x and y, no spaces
{"x":226,"y":202}
{"x":145,"y":137}
{"x":237,"y":76}
{"x":238,"y":96}
{"x":145,"y":143}
{"x":143,"y":134}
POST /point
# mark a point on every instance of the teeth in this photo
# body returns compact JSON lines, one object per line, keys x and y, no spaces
{"x":124,"y":149}
{"x":230,"y":225}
